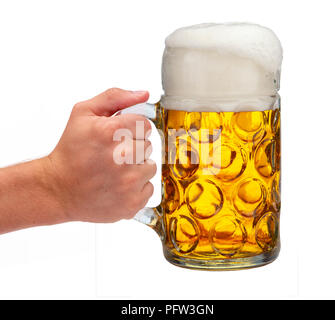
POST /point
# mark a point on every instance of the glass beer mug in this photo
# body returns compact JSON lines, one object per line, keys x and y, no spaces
{"x":219,"y":119}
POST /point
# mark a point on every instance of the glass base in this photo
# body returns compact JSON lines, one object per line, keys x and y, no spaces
{"x":224,"y":264}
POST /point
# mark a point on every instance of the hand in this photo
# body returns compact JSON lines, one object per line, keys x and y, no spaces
{"x":87,"y":180}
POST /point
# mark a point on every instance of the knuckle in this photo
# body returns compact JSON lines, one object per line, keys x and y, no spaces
{"x":130,"y":180}
{"x":96,"y":127}
{"x":147,"y":129}
{"x":139,"y":145}
{"x":137,"y":118}
{"x":123,"y":189}
{"x":147,"y":124}
{"x":127,"y":120}
{"x":111,"y":92}
{"x":129,"y":154}
{"x":102,"y":128}
{"x":115,"y":123}
{"x":153,"y":166}
{"x":150,"y":190}
{"x":121,"y":154}
{"x":135,"y":204}
{"x":119,"y":133}
{"x":77,"y":107}
{"x":148,"y":144}
{"x":130,"y":214}
{"x":148,"y":150}
{"x":110,"y":127}
{"x":142,"y":126}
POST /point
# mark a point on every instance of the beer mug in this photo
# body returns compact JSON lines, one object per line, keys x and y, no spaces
{"x":219,"y":119}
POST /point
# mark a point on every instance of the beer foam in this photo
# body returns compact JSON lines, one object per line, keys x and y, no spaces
{"x":221,"y":67}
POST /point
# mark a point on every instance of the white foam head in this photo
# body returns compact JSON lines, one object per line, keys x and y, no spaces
{"x":221,"y":67}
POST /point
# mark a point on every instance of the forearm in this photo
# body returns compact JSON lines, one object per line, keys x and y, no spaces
{"x":28,"y":197}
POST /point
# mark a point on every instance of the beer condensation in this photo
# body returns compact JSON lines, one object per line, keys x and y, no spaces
{"x":223,"y":201}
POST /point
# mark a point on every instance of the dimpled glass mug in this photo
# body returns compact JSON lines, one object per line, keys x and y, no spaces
{"x":220,"y":125}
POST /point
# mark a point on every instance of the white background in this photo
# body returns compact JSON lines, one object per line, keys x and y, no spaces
{"x":55,"y":53}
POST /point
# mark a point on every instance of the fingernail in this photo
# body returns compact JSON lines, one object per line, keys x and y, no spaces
{"x":139,"y":92}
{"x":148,"y":152}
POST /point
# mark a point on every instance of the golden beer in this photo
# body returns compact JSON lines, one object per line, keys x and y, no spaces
{"x":221,"y":187}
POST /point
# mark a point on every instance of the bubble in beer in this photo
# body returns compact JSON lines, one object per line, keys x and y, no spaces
{"x":275,"y":191}
{"x":183,"y":159}
{"x":204,"y":127}
{"x":184,"y":233}
{"x":229,"y":161}
{"x":175,"y":120}
{"x":227,"y":235}
{"x":275,"y":122}
{"x":249,"y":126}
{"x":204,"y":199}
{"x":267,"y":157}
{"x":171,"y":195}
{"x":249,"y":197}
{"x":267,"y":231}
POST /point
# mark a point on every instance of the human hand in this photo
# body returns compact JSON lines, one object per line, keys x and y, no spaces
{"x":84,"y":173}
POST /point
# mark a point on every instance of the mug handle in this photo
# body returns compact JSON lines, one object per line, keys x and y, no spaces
{"x":149,"y":216}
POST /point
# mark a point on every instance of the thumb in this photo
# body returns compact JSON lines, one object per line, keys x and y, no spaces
{"x":113,"y":100}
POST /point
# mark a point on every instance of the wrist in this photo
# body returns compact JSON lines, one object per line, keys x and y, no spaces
{"x":29,"y":196}
{"x":51,"y":181}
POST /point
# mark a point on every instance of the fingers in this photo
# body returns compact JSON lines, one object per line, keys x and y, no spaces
{"x":111,"y":101}
{"x":129,"y":132}
{"x":132,"y":152}
{"x":142,"y":196}
{"x":147,"y":192}
{"x":138,"y":175}
{"x":138,"y":182}
{"x":139,"y":200}
{"x":148,"y":168}
{"x":132,"y":126}
{"x":143,"y":150}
